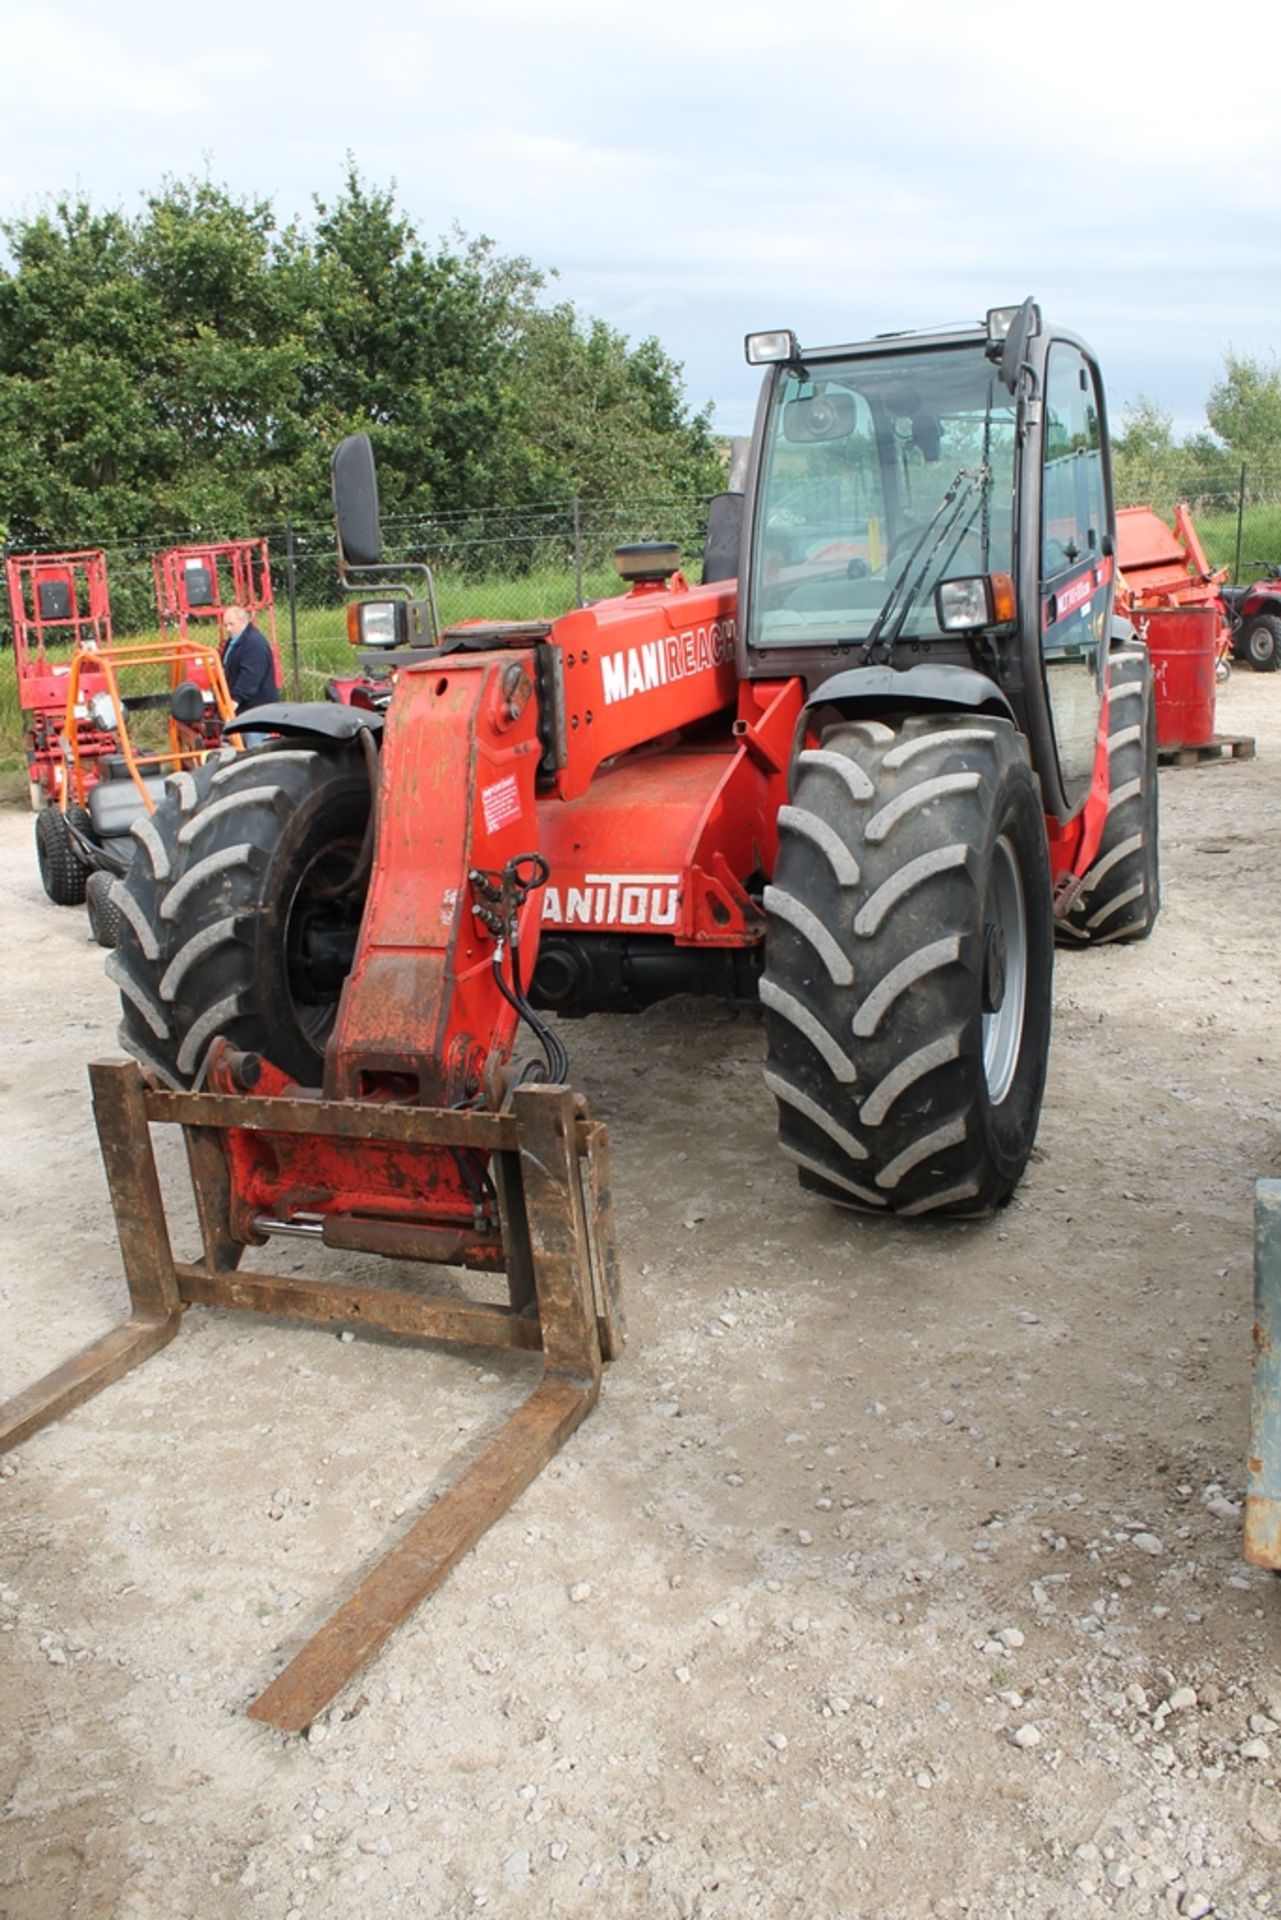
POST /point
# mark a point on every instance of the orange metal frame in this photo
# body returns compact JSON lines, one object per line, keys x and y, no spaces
{"x":187,"y":746}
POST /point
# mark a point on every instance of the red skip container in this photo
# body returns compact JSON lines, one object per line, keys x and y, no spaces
{"x":1181,"y":643}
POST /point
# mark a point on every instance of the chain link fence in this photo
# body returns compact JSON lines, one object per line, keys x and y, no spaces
{"x":541,"y":560}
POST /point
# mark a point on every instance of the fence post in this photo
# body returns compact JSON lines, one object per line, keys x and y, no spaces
{"x":578,"y":551}
{"x":1236,"y":565}
{"x":291,"y":575}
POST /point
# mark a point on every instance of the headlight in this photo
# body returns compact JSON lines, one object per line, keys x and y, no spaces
{"x":985,"y":600}
{"x":102,"y":712}
{"x":376,"y":623}
{"x":764,"y":348}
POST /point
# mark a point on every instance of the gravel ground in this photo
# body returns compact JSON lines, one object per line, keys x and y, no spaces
{"x":897,"y":1574}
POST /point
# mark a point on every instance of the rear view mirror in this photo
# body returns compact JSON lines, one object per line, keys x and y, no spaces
{"x":822,"y":416}
{"x":1009,"y":330}
{"x":724,"y":537}
{"x":355,"y":488}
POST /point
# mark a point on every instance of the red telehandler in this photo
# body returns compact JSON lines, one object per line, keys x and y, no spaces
{"x":861,"y":772}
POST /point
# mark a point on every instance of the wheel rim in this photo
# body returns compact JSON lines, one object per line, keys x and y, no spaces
{"x":320,"y":896}
{"x":1006,"y":933}
{"x":1263,"y":643}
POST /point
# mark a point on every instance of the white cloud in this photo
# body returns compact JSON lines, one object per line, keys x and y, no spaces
{"x":696,"y":172}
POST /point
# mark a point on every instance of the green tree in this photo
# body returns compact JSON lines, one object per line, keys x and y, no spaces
{"x":607,"y":420}
{"x":192,"y":365}
{"x":1244,"y":409}
{"x":1151,"y":468}
{"x":74,"y":326}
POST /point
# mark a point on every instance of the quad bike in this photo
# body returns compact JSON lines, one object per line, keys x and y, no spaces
{"x":1255,"y":613}
{"x":862,"y":773}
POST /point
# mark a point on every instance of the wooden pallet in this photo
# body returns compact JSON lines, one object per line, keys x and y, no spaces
{"x":1224,"y":746}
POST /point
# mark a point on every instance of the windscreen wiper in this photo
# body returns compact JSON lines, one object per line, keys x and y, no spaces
{"x":950,"y":520}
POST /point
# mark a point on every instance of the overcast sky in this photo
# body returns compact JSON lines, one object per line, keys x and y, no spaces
{"x":697,"y":173}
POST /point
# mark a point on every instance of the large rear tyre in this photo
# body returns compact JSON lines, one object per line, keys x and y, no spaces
{"x":240,"y":910}
{"x":1121,"y":897}
{"x":63,"y":873}
{"x":908,"y":956}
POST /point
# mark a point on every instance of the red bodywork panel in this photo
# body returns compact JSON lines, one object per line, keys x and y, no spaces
{"x":459,"y":760}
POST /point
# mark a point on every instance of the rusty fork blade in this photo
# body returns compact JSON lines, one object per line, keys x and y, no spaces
{"x":432,"y":1547}
{"x":78,"y":1379}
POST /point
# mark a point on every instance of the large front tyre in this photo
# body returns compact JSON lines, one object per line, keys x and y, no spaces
{"x":1121,"y":896}
{"x":908,"y":960}
{"x":239,"y":912}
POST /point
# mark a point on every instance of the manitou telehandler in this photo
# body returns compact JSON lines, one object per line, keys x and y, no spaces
{"x":861,"y":772}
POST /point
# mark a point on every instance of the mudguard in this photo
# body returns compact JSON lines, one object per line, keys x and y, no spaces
{"x":938,"y":686}
{"x":322,"y":719}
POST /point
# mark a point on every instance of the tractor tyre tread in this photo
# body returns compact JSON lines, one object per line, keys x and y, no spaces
{"x":205,"y":907}
{"x":1121,"y":897}
{"x":876,"y":933}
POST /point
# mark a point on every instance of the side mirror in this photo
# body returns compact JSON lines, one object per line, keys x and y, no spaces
{"x":724,"y":537}
{"x":355,"y":489}
{"x":1010,"y":350}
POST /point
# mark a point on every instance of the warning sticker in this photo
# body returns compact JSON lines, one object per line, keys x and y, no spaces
{"x":500,"y":803}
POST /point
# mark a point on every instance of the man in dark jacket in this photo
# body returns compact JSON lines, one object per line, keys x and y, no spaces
{"x":250,"y":667}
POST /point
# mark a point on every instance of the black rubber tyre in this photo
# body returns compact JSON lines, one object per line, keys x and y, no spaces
{"x":62,"y":871}
{"x":1121,"y":897}
{"x":236,"y":913}
{"x":104,"y":914}
{"x":908,"y":956}
{"x":1261,"y":642}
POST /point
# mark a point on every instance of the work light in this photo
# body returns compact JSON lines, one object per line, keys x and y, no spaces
{"x":762,"y":349}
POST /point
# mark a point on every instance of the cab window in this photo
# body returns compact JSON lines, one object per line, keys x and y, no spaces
{"x":1073,"y":502}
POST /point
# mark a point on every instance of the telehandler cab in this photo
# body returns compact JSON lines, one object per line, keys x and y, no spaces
{"x":862,"y":771}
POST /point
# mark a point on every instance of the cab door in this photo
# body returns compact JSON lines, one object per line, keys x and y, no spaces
{"x":1076,"y":570}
